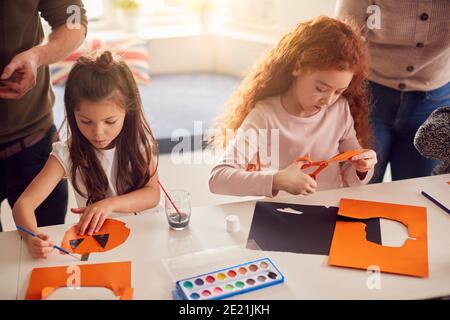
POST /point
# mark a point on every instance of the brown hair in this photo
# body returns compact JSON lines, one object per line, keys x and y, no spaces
{"x":95,"y":77}
{"x":321,"y":43}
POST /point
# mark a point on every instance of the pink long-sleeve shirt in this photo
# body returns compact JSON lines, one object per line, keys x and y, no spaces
{"x":277,"y":138}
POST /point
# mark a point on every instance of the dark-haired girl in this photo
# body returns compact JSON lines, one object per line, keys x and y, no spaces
{"x":110,"y":156}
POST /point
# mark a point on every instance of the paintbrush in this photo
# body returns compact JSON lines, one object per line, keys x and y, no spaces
{"x":168,"y":197}
{"x":54,"y":246}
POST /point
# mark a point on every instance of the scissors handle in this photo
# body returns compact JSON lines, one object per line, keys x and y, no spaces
{"x":309,"y":163}
{"x":317,"y":171}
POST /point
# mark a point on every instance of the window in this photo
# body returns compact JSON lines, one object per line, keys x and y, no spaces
{"x":150,"y":7}
{"x":95,"y":9}
{"x":248,"y":13}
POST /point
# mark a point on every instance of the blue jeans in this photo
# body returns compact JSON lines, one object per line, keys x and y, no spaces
{"x":395,"y":119}
{"x":16,"y":173}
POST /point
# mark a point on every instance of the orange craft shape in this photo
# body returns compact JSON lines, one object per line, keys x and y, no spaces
{"x":350,"y":248}
{"x":115,"y":276}
{"x":112,"y":234}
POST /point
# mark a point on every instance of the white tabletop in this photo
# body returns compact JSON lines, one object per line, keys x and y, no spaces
{"x":9,"y":264}
{"x":151,"y":247}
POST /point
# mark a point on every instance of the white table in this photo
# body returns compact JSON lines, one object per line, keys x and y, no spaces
{"x":151,"y":244}
{"x":9,"y":264}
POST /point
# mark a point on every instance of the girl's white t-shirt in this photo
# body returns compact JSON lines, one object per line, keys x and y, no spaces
{"x":108,"y":161}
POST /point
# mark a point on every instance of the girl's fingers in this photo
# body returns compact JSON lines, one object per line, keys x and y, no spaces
{"x":369,"y":164}
{"x":39,"y":243}
{"x":41,"y":253}
{"x":78,"y":210}
{"x":365,"y":164}
{"x":366,"y":155}
{"x":83,"y":225}
{"x":100,"y":223}
{"x":42,"y":236}
{"x":47,"y":250}
{"x":310,"y":189}
{"x":44,"y":244}
{"x":84,"y":222}
{"x":93,"y":225}
{"x":311,"y":182}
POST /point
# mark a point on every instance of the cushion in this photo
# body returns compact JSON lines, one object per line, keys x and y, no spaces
{"x":133,"y":51}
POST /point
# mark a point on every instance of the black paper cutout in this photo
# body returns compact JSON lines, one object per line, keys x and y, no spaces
{"x":102,"y":239}
{"x":75,"y":243}
{"x":310,"y":232}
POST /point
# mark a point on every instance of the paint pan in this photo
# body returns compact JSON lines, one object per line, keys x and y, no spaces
{"x":227,"y":282}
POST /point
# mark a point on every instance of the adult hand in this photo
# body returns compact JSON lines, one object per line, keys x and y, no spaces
{"x":24,"y":68}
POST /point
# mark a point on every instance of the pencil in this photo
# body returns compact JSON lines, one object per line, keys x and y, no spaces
{"x":440,"y":205}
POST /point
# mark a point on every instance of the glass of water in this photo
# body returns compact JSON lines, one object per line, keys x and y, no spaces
{"x":182,"y":200}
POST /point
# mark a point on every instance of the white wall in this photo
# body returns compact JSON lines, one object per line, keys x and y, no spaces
{"x":182,"y":54}
{"x":231,"y":51}
{"x":291,"y":12}
{"x":237,"y":56}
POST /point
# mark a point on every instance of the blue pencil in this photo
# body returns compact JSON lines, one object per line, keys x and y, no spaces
{"x":55,"y":246}
{"x":440,"y":205}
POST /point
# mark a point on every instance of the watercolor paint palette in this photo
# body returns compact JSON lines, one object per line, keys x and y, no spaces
{"x":227,"y":282}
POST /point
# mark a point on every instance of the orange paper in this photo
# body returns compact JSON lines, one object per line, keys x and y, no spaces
{"x":324,"y":163}
{"x":115,"y":276}
{"x":350,"y":248}
{"x":112,"y":234}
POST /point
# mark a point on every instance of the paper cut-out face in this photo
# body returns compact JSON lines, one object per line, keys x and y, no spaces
{"x":112,"y":234}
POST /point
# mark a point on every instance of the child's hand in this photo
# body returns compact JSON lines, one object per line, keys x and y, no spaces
{"x":294,"y":181}
{"x":40,"y":248}
{"x":93,"y":216}
{"x":364,"y":161}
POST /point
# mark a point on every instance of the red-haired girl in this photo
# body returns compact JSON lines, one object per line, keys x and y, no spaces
{"x":306,"y":97}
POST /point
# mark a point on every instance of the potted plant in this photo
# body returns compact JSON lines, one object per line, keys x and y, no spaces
{"x":128,"y":13}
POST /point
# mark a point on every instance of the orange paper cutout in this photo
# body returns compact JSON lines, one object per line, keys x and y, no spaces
{"x":115,"y":276}
{"x":349,"y":247}
{"x":115,"y":231}
{"x":344,"y":156}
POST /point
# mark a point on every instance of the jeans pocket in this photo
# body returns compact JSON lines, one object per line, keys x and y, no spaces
{"x":441,"y":94}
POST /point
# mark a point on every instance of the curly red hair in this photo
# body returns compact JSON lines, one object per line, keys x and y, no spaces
{"x":322,"y":43}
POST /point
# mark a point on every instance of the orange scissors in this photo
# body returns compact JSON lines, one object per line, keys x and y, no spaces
{"x":324,"y":163}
